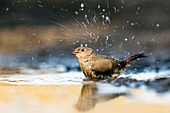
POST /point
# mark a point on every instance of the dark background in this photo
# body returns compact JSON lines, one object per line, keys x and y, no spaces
{"x":33,"y":32}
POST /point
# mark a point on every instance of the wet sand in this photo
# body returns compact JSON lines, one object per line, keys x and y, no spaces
{"x":62,"y":99}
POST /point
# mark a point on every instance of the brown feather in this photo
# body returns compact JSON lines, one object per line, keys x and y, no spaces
{"x":96,"y":66}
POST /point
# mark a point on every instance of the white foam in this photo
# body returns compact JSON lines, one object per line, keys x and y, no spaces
{"x":69,"y":78}
{"x":148,"y":75}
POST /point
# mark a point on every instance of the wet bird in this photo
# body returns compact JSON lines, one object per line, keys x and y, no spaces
{"x":97,"y":67}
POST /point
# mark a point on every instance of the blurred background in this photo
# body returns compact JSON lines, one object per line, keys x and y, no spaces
{"x":45,"y":32}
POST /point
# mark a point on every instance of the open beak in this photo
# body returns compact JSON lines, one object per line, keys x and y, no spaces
{"x":74,"y":52}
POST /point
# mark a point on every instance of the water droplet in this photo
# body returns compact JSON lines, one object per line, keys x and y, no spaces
{"x":98,"y":6}
{"x":40,"y":5}
{"x":138,"y":42}
{"x":85,"y":15}
{"x":7,"y":9}
{"x":138,"y":8}
{"x":107,"y":37}
{"x":107,"y":18}
{"x":76,"y":12}
{"x":133,"y":37}
{"x":102,"y":16}
{"x":115,"y":9}
{"x":82,"y":5}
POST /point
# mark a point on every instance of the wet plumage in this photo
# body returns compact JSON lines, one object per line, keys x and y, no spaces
{"x":95,"y":66}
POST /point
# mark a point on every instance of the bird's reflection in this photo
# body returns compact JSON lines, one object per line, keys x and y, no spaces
{"x":95,"y":92}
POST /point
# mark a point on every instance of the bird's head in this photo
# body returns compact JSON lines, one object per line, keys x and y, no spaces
{"x":83,"y":52}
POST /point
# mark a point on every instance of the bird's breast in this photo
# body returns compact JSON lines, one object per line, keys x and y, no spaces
{"x":99,"y":70}
{"x":86,"y":67}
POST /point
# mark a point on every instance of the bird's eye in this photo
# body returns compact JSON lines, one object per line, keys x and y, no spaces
{"x":82,"y":50}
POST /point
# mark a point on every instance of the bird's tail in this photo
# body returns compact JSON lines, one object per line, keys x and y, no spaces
{"x":134,"y":57}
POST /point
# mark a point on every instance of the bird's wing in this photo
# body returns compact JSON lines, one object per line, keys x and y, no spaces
{"x":104,"y":64}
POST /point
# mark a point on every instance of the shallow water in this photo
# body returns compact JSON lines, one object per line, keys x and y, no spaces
{"x":67,"y":99}
{"x":67,"y":93}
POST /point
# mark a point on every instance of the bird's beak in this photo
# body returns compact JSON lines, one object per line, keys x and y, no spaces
{"x":74,"y":52}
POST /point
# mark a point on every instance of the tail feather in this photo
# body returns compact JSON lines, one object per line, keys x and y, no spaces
{"x":134,"y":57}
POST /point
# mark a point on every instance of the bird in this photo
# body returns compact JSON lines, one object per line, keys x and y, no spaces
{"x":99,"y":67}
